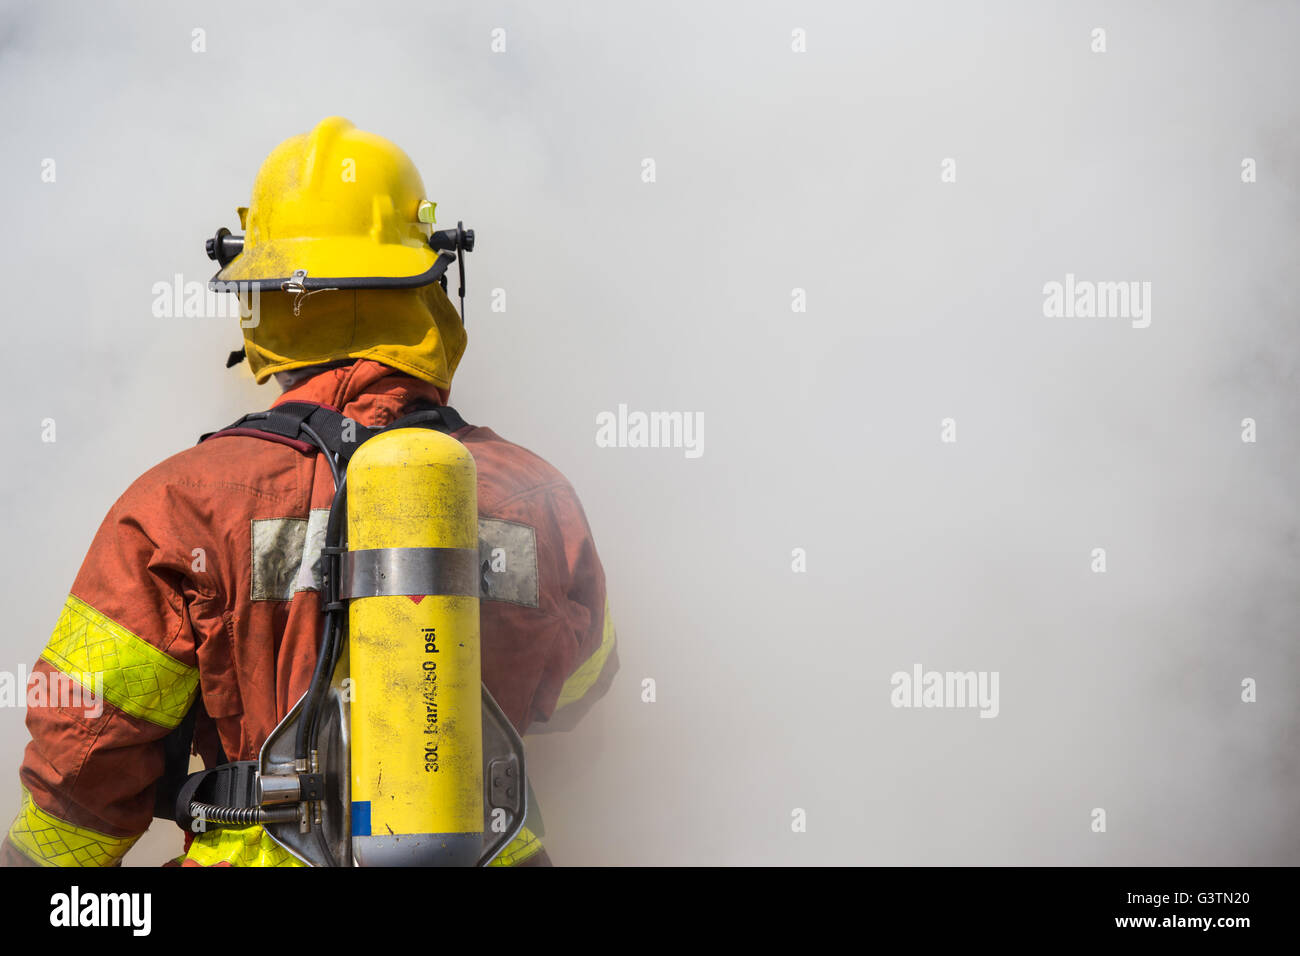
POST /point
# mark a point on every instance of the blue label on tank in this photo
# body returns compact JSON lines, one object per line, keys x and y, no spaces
{"x":361,"y":818}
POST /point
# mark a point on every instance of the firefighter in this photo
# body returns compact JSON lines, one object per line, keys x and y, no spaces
{"x":199,"y":600}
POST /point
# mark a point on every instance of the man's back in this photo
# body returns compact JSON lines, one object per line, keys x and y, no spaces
{"x":204,"y":580}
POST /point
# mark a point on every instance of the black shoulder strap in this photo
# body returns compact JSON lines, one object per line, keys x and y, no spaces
{"x":305,"y":422}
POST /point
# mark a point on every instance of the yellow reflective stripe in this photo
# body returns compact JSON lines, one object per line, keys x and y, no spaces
{"x":526,"y":844}
{"x":250,"y":846}
{"x":137,"y":677}
{"x":49,"y":841}
{"x":243,"y":846}
{"x":580,"y":681}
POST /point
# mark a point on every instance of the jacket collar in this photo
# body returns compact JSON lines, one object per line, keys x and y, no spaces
{"x":366,"y":391}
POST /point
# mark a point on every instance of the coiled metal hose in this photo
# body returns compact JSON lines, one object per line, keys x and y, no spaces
{"x":242,"y":816}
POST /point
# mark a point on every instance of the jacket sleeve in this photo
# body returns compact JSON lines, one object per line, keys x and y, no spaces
{"x":118,"y":674}
{"x":548,"y":638}
{"x":586,"y":658}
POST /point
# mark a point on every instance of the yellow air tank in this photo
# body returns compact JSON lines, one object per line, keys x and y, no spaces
{"x":412,"y":574}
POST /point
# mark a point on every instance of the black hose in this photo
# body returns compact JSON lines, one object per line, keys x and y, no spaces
{"x":329,"y":458}
{"x":324,"y":846}
{"x":331,"y":567}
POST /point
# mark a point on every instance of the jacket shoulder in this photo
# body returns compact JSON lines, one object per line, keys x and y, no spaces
{"x":234,"y":464}
{"x":508,"y":472}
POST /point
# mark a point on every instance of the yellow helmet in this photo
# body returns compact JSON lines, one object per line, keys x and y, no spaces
{"x":336,"y":208}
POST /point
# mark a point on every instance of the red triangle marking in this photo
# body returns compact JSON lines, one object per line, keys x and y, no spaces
{"x":416,"y":598}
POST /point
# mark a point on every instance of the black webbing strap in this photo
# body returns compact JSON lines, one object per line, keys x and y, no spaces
{"x":230,"y":785}
{"x":176,"y":765}
{"x":176,"y":762}
{"x":341,"y":435}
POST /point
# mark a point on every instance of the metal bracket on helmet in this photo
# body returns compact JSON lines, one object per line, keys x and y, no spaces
{"x":224,"y":246}
{"x":297,"y":283}
{"x":460,"y":240}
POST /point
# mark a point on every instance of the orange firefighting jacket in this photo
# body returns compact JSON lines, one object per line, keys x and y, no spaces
{"x":203,"y":580}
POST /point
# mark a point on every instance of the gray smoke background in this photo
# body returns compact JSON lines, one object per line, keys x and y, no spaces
{"x":776,"y":170}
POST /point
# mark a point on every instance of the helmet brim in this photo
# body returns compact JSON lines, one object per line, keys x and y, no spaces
{"x":334,"y":263}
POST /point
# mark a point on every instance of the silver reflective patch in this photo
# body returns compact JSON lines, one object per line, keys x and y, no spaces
{"x":309,"y":571}
{"x":286,"y":555}
{"x":509,"y":550}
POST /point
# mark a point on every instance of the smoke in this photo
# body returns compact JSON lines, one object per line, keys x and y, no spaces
{"x":773,"y":171}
